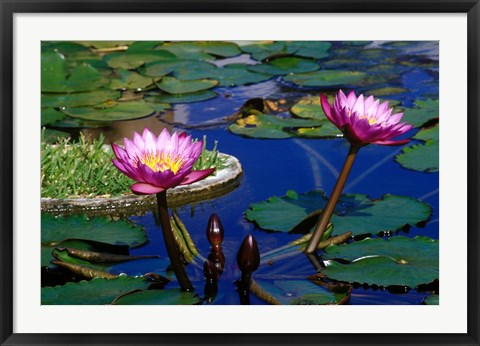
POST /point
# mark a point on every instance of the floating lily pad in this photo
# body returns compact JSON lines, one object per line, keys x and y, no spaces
{"x":77,"y":123}
{"x":202,"y":50}
{"x":285,"y":65}
{"x":327,"y":78}
{"x":120,"y":111}
{"x":57,"y":229}
{"x":326,"y":130}
{"x":268,"y":126}
{"x":433,"y":299}
{"x":89,"y":98}
{"x":131,"y":60}
{"x":297,"y":292}
{"x":423,"y":112}
{"x":182,"y":98}
{"x":104,"y":44}
{"x":309,"y":49}
{"x":238,"y":74}
{"x":52,"y":136}
{"x":309,"y":107}
{"x":159,"y":297}
{"x":176,"y":86}
{"x":422,"y":157}
{"x":54,"y":75}
{"x":387,"y":91}
{"x":70,"y":49}
{"x":393,"y":261}
{"x":264,"y":50}
{"x":181,"y":69}
{"x":142,"y":46}
{"x":50,"y":116}
{"x":355,"y":213}
{"x":130,"y":80}
{"x":95,"y":292}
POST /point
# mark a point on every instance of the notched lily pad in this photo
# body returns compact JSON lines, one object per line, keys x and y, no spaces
{"x":355,"y":213}
{"x":268,"y":126}
{"x":89,"y":98}
{"x":173,"y":85}
{"x":398,"y":260}
{"x":119,"y":111}
{"x":131,"y":60}
{"x":130,"y":80}
{"x":50,"y":116}
{"x":181,"y":98}
{"x":327,"y":78}
{"x":285,"y":65}
{"x":421,"y":113}
{"x":422,"y":157}
{"x":158,"y":297}
{"x":238,"y":74}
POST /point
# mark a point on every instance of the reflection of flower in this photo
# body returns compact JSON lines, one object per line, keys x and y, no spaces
{"x":364,"y":121}
{"x":159,"y":163}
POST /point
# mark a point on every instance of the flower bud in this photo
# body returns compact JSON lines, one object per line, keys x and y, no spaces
{"x":214,"y":230}
{"x":248,"y":256}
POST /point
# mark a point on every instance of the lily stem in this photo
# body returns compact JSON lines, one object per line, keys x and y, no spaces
{"x":332,"y":201}
{"x":172,"y":249}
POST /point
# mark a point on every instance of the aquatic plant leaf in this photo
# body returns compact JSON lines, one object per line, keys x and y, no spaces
{"x":387,"y":91}
{"x":327,"y":78}
{"x":326,"y":130}
{"x":355,"y":213}
{"x":130,"y":80}
{"x":88,"y":98}
{"x":433,"y":299}
{"x":396,"y":260}
{"x":268,"y":126}
{"x":50,"y":116}
{"x":104,"y":44}
{"x":285,"y":65}
{"x":297,"y":292}
{"x":309,"y":49}
{"x":159,"y":297}
{"x":57,"y":229}
{"x":202,"y":50}
{"x":309,"y":107}
{"x":238,"y":74}
{"x":182,"y":98}
{"x":94,"y":292}
{"x":131,"y":60}
{"x":142,"y":46}
{"x":54,"y":75}
{"x":263,"y":50}
{"x":120,"y":111}
{"x":173,"y":85}
{"x":181,"y":69}
{"x":422,"y":157}
{"x":69,"y":122}
{"x":423,"y":112}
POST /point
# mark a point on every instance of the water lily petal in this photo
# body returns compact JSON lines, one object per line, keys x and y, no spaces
{"x":391,"y":143}
{"x":138,"y":141}
{"x":145,"y":189}
{"x":195,"y":176}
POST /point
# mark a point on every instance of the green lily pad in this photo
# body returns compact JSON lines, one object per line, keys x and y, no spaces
{"x":202,"y":50}
{"x":355,"y":213}
{"x":104,"y":44}
{"x":50,"y":116}
{"x":285,"y":65}
{"x":422,"y":157}
{"x":173,"y":85}
{"x":264,"y":50}
{"x":71,"y":50}
{"x":309,"y":107}
{"x":95,"y":292}
{"x":387,"y":91}
{"x":120,"y":111}
{"x":433,"y":299}
{"x":130,"y":80}
{"x":297,"y":292}
{"x":327,"y":78}
{"x":142,"y":46}
{"x":309,"y":49}
{"x":238,"y":74}
{"x":181,"y":69}
{"x":397,"y":260}
{"x":159,"y":297}
{"x":182,"y":98}
{"x":268,"y":126}
{"x":89,"y":98}
{"x":131,"y":60}
{"x":100,"y":229}
{"x":423,"y":112}
{"x":326,"y":130}
{"x":54,"y":75}
{"x":77,"y":123}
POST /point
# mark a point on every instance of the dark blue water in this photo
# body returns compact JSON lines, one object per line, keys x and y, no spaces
{"x":271,"y":167}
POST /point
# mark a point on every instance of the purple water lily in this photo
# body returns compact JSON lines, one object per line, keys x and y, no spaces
{"x":364,"y":121}
{"x":159,"y":163}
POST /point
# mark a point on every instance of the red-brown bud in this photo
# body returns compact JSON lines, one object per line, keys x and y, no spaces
{"x":214,"y":230}
{"x":248,"y":256}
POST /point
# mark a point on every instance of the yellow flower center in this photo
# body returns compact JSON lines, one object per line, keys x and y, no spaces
{"x":371,"y":121}
{"x":162,"y":162}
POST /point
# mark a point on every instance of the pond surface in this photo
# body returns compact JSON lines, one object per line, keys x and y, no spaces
{"x":274,"y":166}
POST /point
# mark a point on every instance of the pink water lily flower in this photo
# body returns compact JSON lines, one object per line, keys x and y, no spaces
{"x":159,"y":163}
{"x":364,"y":121}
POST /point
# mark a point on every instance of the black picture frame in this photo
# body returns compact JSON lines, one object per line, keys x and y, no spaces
{"x":10,"y":7}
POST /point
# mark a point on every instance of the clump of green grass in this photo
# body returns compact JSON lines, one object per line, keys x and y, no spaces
{"x":84,"y":169}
